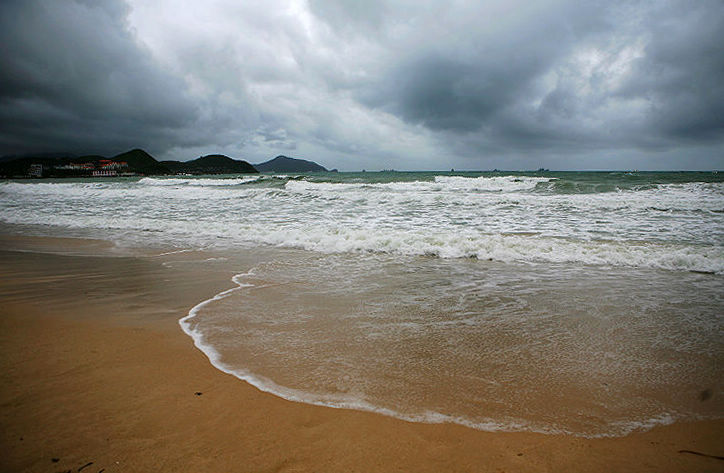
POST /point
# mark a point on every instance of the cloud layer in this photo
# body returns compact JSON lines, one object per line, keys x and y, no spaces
{"x":376,"y":84}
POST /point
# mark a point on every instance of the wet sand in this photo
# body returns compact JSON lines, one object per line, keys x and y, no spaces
{"x":97,"y":376}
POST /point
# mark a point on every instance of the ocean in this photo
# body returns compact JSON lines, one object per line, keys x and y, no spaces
{"x":588,"y":303}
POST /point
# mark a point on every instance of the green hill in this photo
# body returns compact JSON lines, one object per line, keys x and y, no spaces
{"x":286,"y":164}
{"x":141,"y":162}
{"x":211,"y":164}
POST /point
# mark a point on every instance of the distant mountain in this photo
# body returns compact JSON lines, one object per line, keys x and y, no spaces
{"x":286,"y":164}
{"x":141,"y":162}
{"x":211,"y":164}
{"x":66,"y":165}
{"x":137,"y":161}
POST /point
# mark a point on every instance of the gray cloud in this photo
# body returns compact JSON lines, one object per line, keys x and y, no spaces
{"x":682,"y":72}
{"x":73,"y":78}
{"x":645,"y":76}
{"x":462,"y":73}
{"x":376,"y":84}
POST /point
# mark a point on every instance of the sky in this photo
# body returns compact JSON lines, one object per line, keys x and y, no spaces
{"x":373,"y":84}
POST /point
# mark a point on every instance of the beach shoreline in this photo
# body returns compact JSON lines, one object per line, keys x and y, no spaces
{"x":96,"y":369}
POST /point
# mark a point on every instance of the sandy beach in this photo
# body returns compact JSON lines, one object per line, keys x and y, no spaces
{"x":98,"y":376}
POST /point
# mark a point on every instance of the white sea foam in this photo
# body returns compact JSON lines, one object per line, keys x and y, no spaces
{"x":443,"y":244}
{"x":193,"y":325}
{"x":440,"y":184}
{"x":504,"y":218}
{"x":174,"y":252}
{"x":624,"y":428}
{"x":202,"y":182}
{"x":491,"y":184}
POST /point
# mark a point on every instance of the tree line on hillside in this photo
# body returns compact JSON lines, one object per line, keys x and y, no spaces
{"x":138,"y":162}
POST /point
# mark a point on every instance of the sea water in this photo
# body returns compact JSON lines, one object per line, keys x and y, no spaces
{"x":586,"y":303}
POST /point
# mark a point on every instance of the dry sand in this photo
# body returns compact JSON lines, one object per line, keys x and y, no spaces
{"x":97,"y":376}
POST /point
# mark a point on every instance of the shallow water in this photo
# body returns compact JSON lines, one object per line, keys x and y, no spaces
{"x":588,"y":303}
{"x":496,"y":346}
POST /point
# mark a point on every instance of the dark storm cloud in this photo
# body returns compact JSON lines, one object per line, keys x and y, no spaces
{"x":375,"y":84}
{"x":459,"y":75}
{"x":74,"y":79}
{"x":565,"y":76}
{"x":444,"y":94}
{"x":682,"y":72}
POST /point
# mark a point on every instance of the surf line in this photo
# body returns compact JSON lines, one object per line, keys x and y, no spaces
{"x":267,"y":385}
{"x":184,"y":322}
{"x":211,"y":353}
{"x":186,"y":250}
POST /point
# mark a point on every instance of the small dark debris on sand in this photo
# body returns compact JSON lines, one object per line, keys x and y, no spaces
{"x":701,"y":454}
{"x":198,"y":393}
